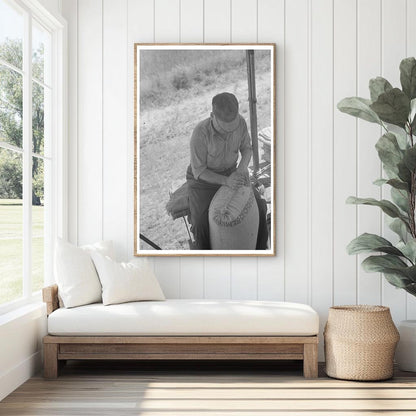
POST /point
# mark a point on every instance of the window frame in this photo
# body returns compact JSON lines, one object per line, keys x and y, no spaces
{"x":57,"y":226}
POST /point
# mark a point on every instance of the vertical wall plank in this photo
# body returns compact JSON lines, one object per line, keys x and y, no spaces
{"x":296,"y":152}
{"x":115,"y":52}
{"x":217,"y":278}
{"x":90,"y":184}
{"x":217,"y":21}
{"x":411,"y":51}
{"x":321,"y":168}
{"x":393,"y":51}
{"x":244,"y":21}
{"x":411,"y":28}
{"x":244,"y":278}
{"x":167,"y":14}
{"x":192,"y":278}
{"x":167,"y":273}
{"x":140,"y":30}
{"x":369,"y":167}
{"x":244,"y":29}
{"x":217,"y":28}
{"x":271,"y":29}
{"x":167,"y":29}
{"x":70,"y":12}
{"x":192,"y":21}
{"x":192,"y":30}
{"x":345,"y":151}
{"x":394,"y":38}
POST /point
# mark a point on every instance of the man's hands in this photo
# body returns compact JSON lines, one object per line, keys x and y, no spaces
{"x":237,"y":179}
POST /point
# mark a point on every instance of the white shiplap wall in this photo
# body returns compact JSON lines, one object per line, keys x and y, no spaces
{"x":326,"y":50}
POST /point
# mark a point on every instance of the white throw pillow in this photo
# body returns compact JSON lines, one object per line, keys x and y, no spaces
{"x":126,"y":282}
{"x":103,"y":247}
{"x":75,"y":273}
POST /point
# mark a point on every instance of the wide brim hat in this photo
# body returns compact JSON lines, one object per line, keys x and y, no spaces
{"x":225,"y":109}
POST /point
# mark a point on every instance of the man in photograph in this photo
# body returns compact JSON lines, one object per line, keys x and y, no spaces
{"x":216,"y":144}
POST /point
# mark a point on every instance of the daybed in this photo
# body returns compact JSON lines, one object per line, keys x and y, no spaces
{"x":181,"y":329}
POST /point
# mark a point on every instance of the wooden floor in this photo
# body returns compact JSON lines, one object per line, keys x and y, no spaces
{"x":223,"y":389}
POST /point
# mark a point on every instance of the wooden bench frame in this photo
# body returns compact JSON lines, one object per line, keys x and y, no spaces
{"x":58,"y":349}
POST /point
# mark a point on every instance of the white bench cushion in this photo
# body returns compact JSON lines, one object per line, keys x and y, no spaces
{"x":187,"y":317}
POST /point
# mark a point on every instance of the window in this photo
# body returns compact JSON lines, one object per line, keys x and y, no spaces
{"x":31,"y":140}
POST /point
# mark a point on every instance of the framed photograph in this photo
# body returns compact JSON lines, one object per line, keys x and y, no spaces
{"x":205,"y":150}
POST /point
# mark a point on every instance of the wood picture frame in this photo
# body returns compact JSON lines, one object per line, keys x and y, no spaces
{"x":174,"y":85}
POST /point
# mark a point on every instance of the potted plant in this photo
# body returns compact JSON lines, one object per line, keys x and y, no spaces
{"x":394,"y":109}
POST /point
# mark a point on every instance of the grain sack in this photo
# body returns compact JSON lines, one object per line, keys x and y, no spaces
{"x":233,"y":219}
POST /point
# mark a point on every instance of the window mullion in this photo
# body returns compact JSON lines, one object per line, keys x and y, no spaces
{"x":27,"y":157}
{"x":12,"y":67}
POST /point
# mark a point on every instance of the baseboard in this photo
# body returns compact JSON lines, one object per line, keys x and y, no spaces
{"x":10,"y":380}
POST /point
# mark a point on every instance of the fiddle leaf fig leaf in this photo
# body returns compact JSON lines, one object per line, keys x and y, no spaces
{"x":390,"y":173}
{"x":398,"y":184}
{"x":412,"y":109}
{"x":412,"y":117}
{"x":388,"y":207}
{"x":400,"y":198}
{"x":410,"y":272}
{"x":410,"y":252}
{"x":402,"y":139}
{"x":408,"y":77}
{"x":395,"y":183}
{"x":359,"y":107}
{"x":378,"y":86}
{"x":381,"y":263}
{"x":395,"y":270}
{"x":408,"y":249}
{"x":389,"y":151}
{"x":410,"y":158}
{"x":380,"y":182}
{"x":400,"y":228}
{"x":366,"y":243}
{"x":411,"y":289}
{"x":404,"y":172}
{"x":392,"y":107}
{"x":397,"y":280}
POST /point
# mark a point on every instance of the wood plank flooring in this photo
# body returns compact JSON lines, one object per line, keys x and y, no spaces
{"x":206,"y":388}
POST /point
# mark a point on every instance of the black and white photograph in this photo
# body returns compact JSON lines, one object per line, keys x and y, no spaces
{"x":205,"y":149}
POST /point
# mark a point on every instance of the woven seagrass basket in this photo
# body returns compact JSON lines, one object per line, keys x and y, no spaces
{"x":360,"y":341}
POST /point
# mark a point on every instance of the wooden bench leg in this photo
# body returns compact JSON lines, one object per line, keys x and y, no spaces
{"x":50,"y":360}
{"x":310,"y":360}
